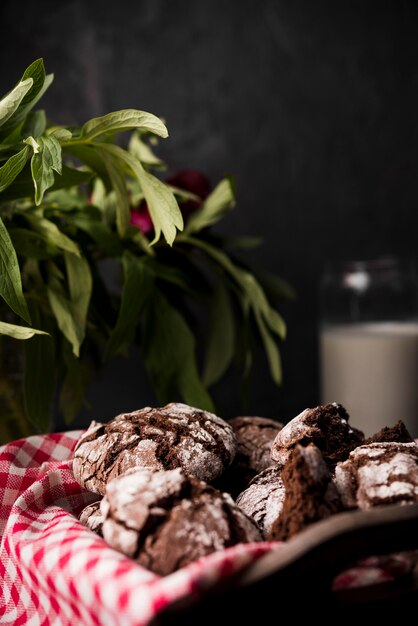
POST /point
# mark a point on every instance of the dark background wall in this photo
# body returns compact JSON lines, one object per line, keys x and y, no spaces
{"x":311,"y":105}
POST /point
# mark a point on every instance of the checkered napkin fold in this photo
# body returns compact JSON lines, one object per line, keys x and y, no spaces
{"x":56,"y":572}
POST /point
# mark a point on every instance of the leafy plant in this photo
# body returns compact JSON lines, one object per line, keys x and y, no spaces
{"x":74,"y":198}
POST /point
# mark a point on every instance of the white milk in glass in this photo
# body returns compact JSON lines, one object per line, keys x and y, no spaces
{"x":372,"y":370}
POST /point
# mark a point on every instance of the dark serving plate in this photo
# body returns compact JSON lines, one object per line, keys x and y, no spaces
{"x":298,"y":577}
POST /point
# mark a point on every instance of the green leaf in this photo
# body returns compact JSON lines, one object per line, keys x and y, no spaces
{"x":243,"y":348}
{"x":71,"y":177}
{"x":13,"y":167}
{"x":98,"y":195}
{"x":31,"y":245}
{"x":164,"y":210}
{"x":10,"y":103}
{"x":43,"y":164}
{"x":35,"y":71}
{"x":80,"y":285}
{"x":215,"y":206}
{"x":62,"y":134}
{"x":51,"y":233}
{"x":19,"y":332}
{"x":183,"y":194}
{"x":171,"y":274}
{"x":90,"y":156}
{"x":8,"y":144}
{"x":107,"y":241}
{"x":8,"y":150}
{"x":141,"y":241}
{"x":270,"y":348}
{"x":247,"y":282}
{"x":220,"y":348}
{"x":22,"y":186}
{"x":169,"y":354}
{"x":142,"y":151}
{"x":72,"y":395}
{"x":66,"y":200}
{"x":259,"y":302}
{"x":31,"y":141}
{"x":253,"y":296}
{"x":41,"y":82}
{"x":244,"y":357}
{"x":70,"y":307}
{"x":39,"y":377}
{"x":275,"y":287}
{"x":137,"y":287}
{"x":61,"y":308}
{"x":10,"y":279}
{"x":35,"y":124}
{"x":119,"y":121}
{"x":121,"y":192}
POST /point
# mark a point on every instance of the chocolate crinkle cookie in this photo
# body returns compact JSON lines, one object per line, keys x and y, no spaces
{"x":379,"y":473}
{"x":263,"y":499}
{"x":310,"y":494}
{"x":255,"y":436}
{"x":153,"y":467}
{"x":398,"y":432}
{"x":326,"y":426}
{"x":165,"y":520}
{"x":283,"y":499}
{"x":92,"y":517}
{"x":175,"y":435}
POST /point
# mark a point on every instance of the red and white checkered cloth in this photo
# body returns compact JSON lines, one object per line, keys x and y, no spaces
{"x":56,"y":572}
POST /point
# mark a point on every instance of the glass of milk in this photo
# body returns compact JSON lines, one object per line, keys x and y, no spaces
{"x":369,"y":342}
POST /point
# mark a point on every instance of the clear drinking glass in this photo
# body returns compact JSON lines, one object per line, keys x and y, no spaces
{"x":369,"y":342}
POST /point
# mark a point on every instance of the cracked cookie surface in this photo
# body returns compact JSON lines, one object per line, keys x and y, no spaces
{"x":165,"y":520}
{"x":326,"y":426}
{"x":175,"y":435}
{"x":379,"y":473}
{"x":263,"y":499}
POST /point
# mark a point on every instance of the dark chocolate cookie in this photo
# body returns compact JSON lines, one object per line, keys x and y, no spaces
{"x":255,"y":436}
{"x":398,"y":432}
{"x":379,"y":473}
{"x":165,"y":520}
{"x":310,"y":494}
{"x":263,"y":499}
{"x":175,"y":435}
{"x":326,"y":426}
{"x":92,"y":517}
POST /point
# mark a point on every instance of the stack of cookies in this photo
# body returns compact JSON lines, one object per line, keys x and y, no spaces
{"x":178,"y":483}
{"x":153,"y":468}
